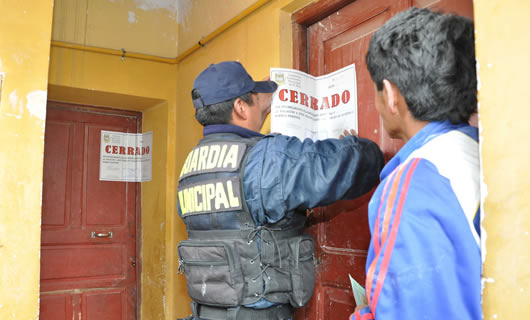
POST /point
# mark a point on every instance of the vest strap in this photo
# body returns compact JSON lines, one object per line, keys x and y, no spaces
{"x":243,"y":233}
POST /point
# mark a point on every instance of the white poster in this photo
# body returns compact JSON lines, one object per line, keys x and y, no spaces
{"x":314,"y":107}
{"x":126,"y":156}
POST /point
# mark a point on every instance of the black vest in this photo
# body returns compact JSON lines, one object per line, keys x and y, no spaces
{"x":228,"y":261}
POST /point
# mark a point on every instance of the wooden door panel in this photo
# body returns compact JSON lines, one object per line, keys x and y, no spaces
{"x":337,"y":303}
{"x":98,"y":211}
{"x":105,"y":305}
{"x":463,"y":8}
{"x":83,"y":275}
{"x":83,"y":263}
{"x":56,"y":196}
{"x":341,"y":230}
{"x":56,"y":306}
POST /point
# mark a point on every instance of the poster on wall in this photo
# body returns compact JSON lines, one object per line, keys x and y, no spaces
{"x":126,"y":156}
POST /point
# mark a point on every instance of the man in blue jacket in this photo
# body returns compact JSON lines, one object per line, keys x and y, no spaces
{"x":424,"y":256}
{"x":243,"y":197}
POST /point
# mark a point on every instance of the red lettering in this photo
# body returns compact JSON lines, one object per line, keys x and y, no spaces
{"x":130,"y":151}
{"x":122,"y":150}
{"x":147,"y":150}
{"x":325,"y":103}
{"x":304,"y":99}
{"x":114,"y":149}
{"x":294,"y":96}
{"x":335,"y":99}
{"x":314,"y":103}
{"x":107,"y":148}
{"x":137,"y":151}
{"x":281,"y":95}
{"x":345,"y":96}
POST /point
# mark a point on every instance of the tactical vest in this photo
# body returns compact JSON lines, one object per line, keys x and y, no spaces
{"x":228,"y":261}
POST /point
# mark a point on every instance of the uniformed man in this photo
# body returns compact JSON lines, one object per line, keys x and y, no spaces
{"x":243,"y":197}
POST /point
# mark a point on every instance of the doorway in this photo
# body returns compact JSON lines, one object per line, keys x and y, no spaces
{"x":89,"y":227}
{"x":329,"y":35}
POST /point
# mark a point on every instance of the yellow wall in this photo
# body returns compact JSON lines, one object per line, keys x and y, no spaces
{"x":197,"y":19}
{"x":25,"y":34}
{"x":503,"y":43}
{"x":146,"y":26}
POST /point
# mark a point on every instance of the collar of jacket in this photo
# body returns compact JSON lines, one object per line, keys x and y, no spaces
{"x":230,"y":128}
{"x":423,"y":136}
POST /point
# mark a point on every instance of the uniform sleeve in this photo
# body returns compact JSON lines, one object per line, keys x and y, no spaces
{"x":423,"y":262}
{"x":284,"y":173}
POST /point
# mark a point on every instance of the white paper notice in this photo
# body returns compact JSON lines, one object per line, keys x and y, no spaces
{"x":126,"y":156}
{"x":314,"y":107}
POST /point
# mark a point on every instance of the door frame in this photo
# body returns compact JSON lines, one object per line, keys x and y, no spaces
{"x":138,"y":201}
{"x":305,"y":17}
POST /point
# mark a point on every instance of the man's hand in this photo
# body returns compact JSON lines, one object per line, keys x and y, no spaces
{"x":348,"y":133}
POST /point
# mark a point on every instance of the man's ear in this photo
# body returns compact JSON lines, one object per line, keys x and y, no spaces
{"x":391,"y":94}
{"x":240,"y":109}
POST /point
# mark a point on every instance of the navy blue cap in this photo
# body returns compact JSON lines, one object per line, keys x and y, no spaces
{"x":227,"y":80}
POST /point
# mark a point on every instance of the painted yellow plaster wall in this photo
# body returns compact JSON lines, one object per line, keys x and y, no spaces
{"x":143,"y":26}
{"x":197,"y":19}
{"x":502,"y":44}
{"x":25,"y":34}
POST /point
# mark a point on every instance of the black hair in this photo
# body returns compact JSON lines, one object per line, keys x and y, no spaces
{"x":430,"y":57}
{"x":218,"y":113}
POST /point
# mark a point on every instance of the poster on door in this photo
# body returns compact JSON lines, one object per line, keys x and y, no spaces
{"x":126,"y":156}
{"x":311,"y":107}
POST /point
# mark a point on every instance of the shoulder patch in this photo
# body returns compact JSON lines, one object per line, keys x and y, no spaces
{"x":213,"y":157}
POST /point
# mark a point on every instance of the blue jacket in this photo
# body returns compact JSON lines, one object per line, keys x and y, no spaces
{"x":424,"y":256}
{"x":283,"y":174}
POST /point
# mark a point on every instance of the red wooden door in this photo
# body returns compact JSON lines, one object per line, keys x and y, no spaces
{"x":341,"y":231}
{"x":88,"y":250}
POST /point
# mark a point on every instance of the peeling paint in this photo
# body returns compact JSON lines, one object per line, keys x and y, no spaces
{"x":13,"y":99}
{"x":20,"y":57}
{"x":483,"y":283}
{"x":170,"y":5}
{"x":183,"y":11}
{"x":37,"y":103}
{"x":14,"y":116}
{"x":132,"y":17}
